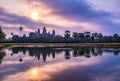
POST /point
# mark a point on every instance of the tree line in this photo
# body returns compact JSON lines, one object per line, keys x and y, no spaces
{"x":75,"y":37}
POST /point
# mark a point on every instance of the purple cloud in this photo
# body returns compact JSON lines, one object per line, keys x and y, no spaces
{"x":82,"y":11}
{"x":74,"y":11}
{"x":11,"y":22}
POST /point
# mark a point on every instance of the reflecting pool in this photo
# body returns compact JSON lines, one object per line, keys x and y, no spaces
{"x":59,"y":64}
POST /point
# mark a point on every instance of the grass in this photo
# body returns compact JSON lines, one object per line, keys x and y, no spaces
{"x":4,"y":45}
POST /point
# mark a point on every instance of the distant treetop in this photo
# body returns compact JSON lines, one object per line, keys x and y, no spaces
{"x":2,"y":34}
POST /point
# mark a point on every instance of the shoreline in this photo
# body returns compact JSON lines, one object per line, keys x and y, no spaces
{"x":5,"y":45}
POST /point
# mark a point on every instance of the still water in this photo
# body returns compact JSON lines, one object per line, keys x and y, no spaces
{"x":59,"y":64}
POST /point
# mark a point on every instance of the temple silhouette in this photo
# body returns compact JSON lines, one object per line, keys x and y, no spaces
{"x":43,"y":36}
{"x":35,"y":36}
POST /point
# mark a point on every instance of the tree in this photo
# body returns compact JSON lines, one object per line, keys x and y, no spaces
{"x":115,"y":37}
{"x":94,"y":36}
{"x":2,"y":34}
{"x":81,"y":36}
{"x":87,"y":36}
{"x":11,"y":34}
{"x":76,"y":36}
{"x":100,"y":35}
{"x":20,"y":30}
{"x":67,"y":34}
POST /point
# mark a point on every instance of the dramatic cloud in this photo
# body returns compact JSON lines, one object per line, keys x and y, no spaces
{"x":83,"y":10}
{"x":74,"y":9}
{"x":74,"y":15}
{"x":12,"y":22}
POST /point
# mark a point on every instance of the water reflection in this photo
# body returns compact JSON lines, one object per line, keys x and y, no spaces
{"x":75,"y":64}
{"x":34,"y":73}
{"x":2,"y":55}
{"x":67,"y":54}
{"x":45,"y":53}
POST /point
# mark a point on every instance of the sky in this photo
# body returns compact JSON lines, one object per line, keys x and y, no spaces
{"x":75,"y":15}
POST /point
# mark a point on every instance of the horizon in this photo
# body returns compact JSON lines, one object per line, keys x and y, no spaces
{"x":50,"y":32}
{"x":100,"y":16}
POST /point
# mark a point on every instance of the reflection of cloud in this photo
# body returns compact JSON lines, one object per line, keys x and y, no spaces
{"x":36,"y":74}
{"x":46,"y":71}
{"x":106,"y":78}
{"x":87,"y":69}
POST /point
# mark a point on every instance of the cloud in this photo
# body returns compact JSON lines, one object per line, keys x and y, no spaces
{"x":106,"y":5}
{"x":11,"y":23}
{"x":75,"y":15}
{"x":78,"y":10}
{"x":83,"y":11}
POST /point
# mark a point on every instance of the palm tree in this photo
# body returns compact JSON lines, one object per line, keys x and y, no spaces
{"x":12,"y":34}
{"x":21,"y":30}
{"x":67,"y":35}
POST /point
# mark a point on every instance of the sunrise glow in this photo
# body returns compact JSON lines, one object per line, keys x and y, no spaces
{"x":34,"y":15}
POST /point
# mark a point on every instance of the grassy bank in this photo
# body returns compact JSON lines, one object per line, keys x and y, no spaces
{"x":3,"y":45}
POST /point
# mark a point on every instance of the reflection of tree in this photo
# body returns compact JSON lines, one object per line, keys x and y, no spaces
{"x":78,"y":52}
{"x":92,"y":50}
{"x":2,"y":55}
{"x":11,"y":54}
{"x":116,"y":52}
{"x":24,"y":51}
{"x":67,"y":54}
{"x":97,"y":51}
{"x":36,"y":52}
{"x":46,"y":52}
{"x":100,"y":51}
{"x":81,"y":52}
{"x":87,"y":52}
{"x":20,"y":60}
{"x":75,"y":53}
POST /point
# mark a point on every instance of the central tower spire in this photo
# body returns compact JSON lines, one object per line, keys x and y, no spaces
{"x":44,"y":30}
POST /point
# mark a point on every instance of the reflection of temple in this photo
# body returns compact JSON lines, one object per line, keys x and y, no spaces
{"x":45,"y":52}
{"x":2,"y":55}
{"x":115,"y":51}
{"x":37,"y":52}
